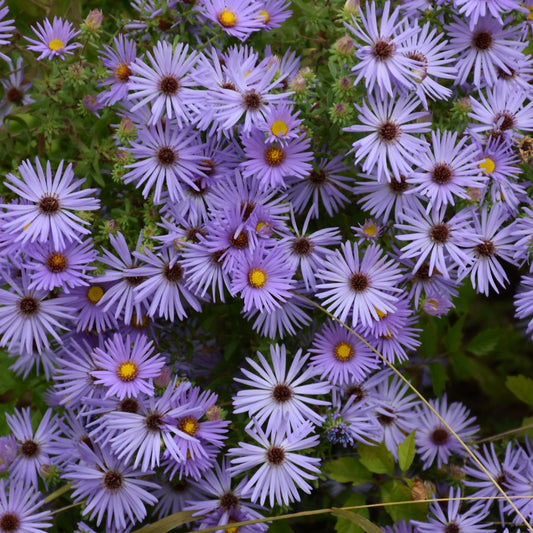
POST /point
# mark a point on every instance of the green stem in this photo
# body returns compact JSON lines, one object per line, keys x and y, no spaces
{"x":56,"y":494}
{"x":505,"y":434}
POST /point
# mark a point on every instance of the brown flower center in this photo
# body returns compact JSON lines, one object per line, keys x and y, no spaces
{"x":166,"y":156}
{"x":9,"y":522}
{"x":482,"y":40}
{"x":28,"y":305}
{"x":318,"y":177}
{"x":282,"y":393}
{"x":228,"y":501}
{"x":389,"y":131}
{"x":123,"y":72}
{"x":112,"y":480}
{"x":441,"y":174}
{"x":275,"y":455}
{"x":383,"y":49}
{"x":129,"y":405}
{"x":440,"y":233}
{"x":153,"y":422}
{"x":173,"y":273}
{"x":440,"y":436}
{"x":508,"y":122}
{"x":486,"y":248}
{"x":169,"y":85}
{"x":274,"y":156}
{"x":241,"y":241}
{"x":358,"y":282}
{"x":49,"y":205}
{"x":29,"y":448}
{"x":452,"y":527}
{"x":302,"y":246}
{"x":398,"y":186}
{"x":56,"y":262}
{"x":14,"y":95}
{"x":252,"y":100}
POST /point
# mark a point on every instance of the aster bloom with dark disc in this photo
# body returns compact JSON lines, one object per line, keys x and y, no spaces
{"x":358,"y":287}
{"x":282,"y":472}
{"x":16,"y":88}
{"x":53,"y":39}
{"x":166,"y":85}
{"x":280,"y":396}
{"x":128,"y":366}
{"x":51,"y":198}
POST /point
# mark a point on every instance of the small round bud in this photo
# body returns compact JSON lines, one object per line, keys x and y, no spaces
{"x":345,"y":83}
{"x":306,"y":73}
{"x":463,"y":104}
{"x":351,"y":7}
{"x":213,"y":413}
{"x":298,"y":84}
{"x":163,"y":379}
{"x":94,"y":19}
{"x":126,"y":127}
{"x":344,"y":46}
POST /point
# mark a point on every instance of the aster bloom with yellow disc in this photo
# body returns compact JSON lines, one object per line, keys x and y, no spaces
{"x":53,"y":39}
{"x":263,"y":279}
{"x":280,"y":397}
{"x":128,"y":366}
{"x":47,"y":215}
{"x":280,"y":123}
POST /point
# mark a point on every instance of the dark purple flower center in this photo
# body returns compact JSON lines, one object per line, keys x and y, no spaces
{"x":357,"y":391}
{"x":49,"y":205}
{"x":216,"y":257}
{"x":318,"y":177}
{"x":440,"y":436}
{"x":87,"y":441}
{"x":134,"y":281}
{"x":452,"y":527}
{"x":440,"y":233}
{"x":228,"y":501}
{"x":359,"y":282}
{"x":252,"y":100}
{"x":173,"y":273}
{"x":507,"y":120}
{"x":422,"y":71}
{"x":398,"y":186}
{"x":507,"y":74}
{"x":389,"y":131}
{"x":207,"y":166}
{"x":383,"y":49}
{"x":482,"y":40}
{"x":247,"y":208}
{"x":169,"y":85}
{"x":422,"y":274}
{"x":153,"y":422}
{"x":241,"y":241}
{"x":441,"y":174}
{"x":129,"y":405}
{"x":387,"y":419}
{"x":302,"y":246}
{"x":14,"y":95}
{"x":275,"y":455}
{"x":112,"y":480}
{"x":28,"y":305}
{"x":229,"y":85}
{"x":29,"y":448}
{"x":193,"y":233}
{"x":56,"y":262}
{"x":9,"y":522}
{"x":486,"y":248}
{"x":166,"y":156}
{"x":179,"y":485}
{"x":282,"y":393}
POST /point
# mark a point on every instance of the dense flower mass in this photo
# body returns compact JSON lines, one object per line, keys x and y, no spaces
{"x":242,"y":241}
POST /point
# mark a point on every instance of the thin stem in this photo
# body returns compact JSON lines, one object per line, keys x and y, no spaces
{"x":505,"y":434}
{"x":430,"y":407}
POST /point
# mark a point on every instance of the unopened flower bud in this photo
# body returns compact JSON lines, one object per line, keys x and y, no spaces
{"x":94,"y":19}
{"x":351,"y":7}
{"x":344,"y":46}
{"x":163,"y":378}
{"x":298,"y":84}
{"x":463,"y":104}
{"x":213,"y":413}
{"x":126,"y":127}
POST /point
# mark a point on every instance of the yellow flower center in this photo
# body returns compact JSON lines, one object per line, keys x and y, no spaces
{"x":433,"y":304}
{"x":227,"y":18}
{"x":127,"y":371}
{"x":56,"y":44}
{"x":530,"y":14}
{"x":265,"y":17}
{"x":370,"y":229}
{"x":279,"y":127}
{"x":188,"y":425}
{"x":95,"y":293}
{"x":487,"y":165}
{"x":257,"y":278}
{"x":123,"y":72}
{"x":274,"y":156}
{"x":261,"y":225}
{"x":343,"y":351}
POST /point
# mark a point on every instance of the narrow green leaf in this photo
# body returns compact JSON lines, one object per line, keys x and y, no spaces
{"x":347,"y":470}
{"x":521,"y":387}
{"x":485,"y":342}
{"x":344,"y":525}
{"x":438,"y":377}
{"x":376,"y":458}
{"x":361,"y":521}
{"x":406,"y":451}
{"x":168,"y":523}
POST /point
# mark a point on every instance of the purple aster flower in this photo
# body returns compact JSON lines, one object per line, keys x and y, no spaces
{"x":281,"y":471}
{"x":5,"y":25}
{"x":8,"y":452}
{"x":65,"y":269}
{"x":340,"y":356}
{"x":390,"y":145}
{"x":164,"y":286}
{"x":53,"y":39}
{"x":437,"y":304}
{"x":270,"y":163}
{"x":503,"y":112}
{"x":434,"y":440}
{"x":16,"y":87}
{"x":108,"y":486}
{"x":165,"y":156}
{"x":174,"y":496}
{"x":383,"y":57}
{"x":381,"y":198}
{"x":34,"y":448}
{"x":51,"y":202}
{"x":451,"y":520}
{"x":323,"y":182}
{"x":89,"y":315}
{"x":401,"y":526}
{"x":19,"y":510}
{"x":280,"y":396}
{"x":28,"y":316}
{"x":305,"y":253}
{"x":118,"y":61}
{"x":524,"y":301}
{"x":273,"y":13}
{"x":263,"y":279}
{"x":358,"y":287}
{"x":446,"y":170}
{"x":433,"y":235}
{"x":166,"y":84}
{"x":238,"y":18}
{"x":368,"y":231}
{"x":496,"y":241}
{"x":127,"y":367}
{"x":476,"y":9}
{"x":26,"y":360}
{"x":485,"y":47}
{"x":523,"y":230}
{"x":280,"y":123}
{"x":435,"y":61}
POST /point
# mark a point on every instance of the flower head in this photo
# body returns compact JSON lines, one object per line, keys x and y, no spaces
{"x":53,"y":39}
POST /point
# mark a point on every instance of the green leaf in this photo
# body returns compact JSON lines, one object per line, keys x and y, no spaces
{"x":454,"y":336}
{"x":439,"y":377}
{"x":406,"y":451}
{"x":521,"y":387}
{"x":168,"y":523}
{"x":396,"y":491}
{"x":358,"y":520}
{"x":347,"y":470}
{"x":376,"y":458}
{"x":344,"y":525}
{"x":485,"y":342}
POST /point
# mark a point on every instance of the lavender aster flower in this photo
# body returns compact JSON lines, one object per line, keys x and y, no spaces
{"x":16,"y":88}
{"x":358,"y":287}
{"x":280,"y":396}
{"x":51,"y":200}
{"x":281,"y":471}
{"x":476,"y":9}
{"x":5,"y":25}
{"x":53,"y":39}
